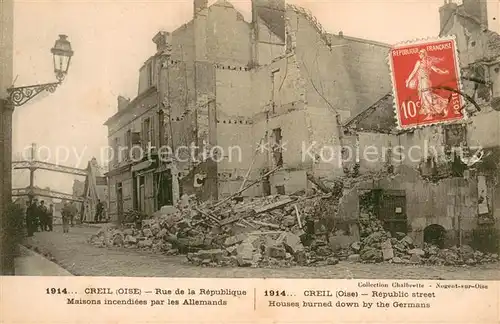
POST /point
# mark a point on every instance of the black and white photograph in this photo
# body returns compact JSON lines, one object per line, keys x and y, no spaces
{"x":250,"y":139}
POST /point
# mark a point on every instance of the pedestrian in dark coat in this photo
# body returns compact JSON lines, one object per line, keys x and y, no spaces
{"x":29,"y":219}
{"x":35,"y":209}
{"x":43,"y":213}
{"x":99,"y":210}
{"x":66,"y":217}
{"x":50,"y":218}
{"x":73,"y":211}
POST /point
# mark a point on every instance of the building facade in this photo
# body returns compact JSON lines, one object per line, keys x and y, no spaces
{"x":448,"y":181}
{"x":226,"y":86}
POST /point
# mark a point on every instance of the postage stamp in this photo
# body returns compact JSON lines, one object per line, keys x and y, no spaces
{"x":426,"y":83}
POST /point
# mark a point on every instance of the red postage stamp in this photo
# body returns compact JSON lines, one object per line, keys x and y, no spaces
{"x":426,"y":83}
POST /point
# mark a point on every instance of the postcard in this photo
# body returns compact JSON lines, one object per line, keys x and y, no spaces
{"x":250,"y":161}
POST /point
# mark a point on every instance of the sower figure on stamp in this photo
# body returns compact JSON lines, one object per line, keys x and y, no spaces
{"x":431,"y":103}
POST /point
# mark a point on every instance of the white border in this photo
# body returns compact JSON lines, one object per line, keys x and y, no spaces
{"x":421,"y":41}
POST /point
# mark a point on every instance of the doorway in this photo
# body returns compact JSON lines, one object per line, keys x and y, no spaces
{"x":142,"y":194}
{"x":164,"y":189}
{"x":392,"y":211}
{"x":435,"y":234}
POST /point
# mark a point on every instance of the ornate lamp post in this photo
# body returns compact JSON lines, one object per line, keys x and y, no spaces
{"x":62,"y":54}
{"x":18,"y":96}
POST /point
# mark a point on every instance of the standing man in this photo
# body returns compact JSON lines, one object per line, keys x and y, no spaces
{"x":43,"y":215}
{"x":65,"y":212}
{"x":73,"y":212}
{"x":29,"y":219}
{"x":99,"y":210}
{"x":35,"y":209}
{"x":50,"y":218}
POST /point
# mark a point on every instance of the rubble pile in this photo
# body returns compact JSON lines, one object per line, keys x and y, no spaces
{"x":267,"y":231}
{"x":256,"y":249}
{"x":277,"y":230}
{"x":378,"y":245}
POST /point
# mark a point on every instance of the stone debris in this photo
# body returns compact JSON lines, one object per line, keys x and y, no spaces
{"x":265,"y":232}
{"x":260,"y":232}
{"x":378,"y":245}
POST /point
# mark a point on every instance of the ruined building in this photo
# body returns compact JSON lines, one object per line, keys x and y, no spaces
{"x":226,"y":85}
{"x":438,"y":193}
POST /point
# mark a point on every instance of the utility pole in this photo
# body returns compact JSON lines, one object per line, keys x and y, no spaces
{"x":6,"y":111}
{"x":32,"y":173}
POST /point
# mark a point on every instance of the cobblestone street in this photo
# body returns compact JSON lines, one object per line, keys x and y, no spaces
{"x":73,"y":253}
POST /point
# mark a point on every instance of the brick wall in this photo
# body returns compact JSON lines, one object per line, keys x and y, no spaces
{"x":420,"y":144}
{"x":234,"y":112}
{"x":484,"y":130}
{"x":294,"y":135}
{"x":228,"y":35}
{"x":323,"y":130}
{"x":373,"y":151}
{"x":234,"y":93}
{"x":261,"y":89}
{"x":267,"y":46}
{"x":236,"y":142}
{"x":183,"y":43}
{"x":288,"y":87}
{"x":367,"y":68}
{"x":436,"y":203}
{"x":350,"y":77}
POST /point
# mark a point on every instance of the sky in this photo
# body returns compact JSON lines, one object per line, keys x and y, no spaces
{"x":112,"y":39}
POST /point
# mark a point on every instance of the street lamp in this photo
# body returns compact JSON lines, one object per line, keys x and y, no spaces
{"x":62,"y":54}
{"x":18,"y":96}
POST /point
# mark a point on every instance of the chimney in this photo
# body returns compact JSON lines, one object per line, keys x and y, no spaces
{"x":162,"y":40}
{"x":199,"y":5}
{"x":477,"y":9}
{"x":122,"y":102}
{"x":446,"y":13}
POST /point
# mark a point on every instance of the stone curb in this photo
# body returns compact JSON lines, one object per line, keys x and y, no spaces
{"x":48,"y":260}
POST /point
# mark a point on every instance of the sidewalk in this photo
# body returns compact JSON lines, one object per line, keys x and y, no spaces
{"x":30,"y":263}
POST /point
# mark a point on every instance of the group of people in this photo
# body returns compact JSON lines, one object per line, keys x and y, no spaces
{"x":40,"y":218}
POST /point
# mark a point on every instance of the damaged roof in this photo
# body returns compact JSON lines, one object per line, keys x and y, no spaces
{"x":379,"y":117}
{"x":493,"y":44}
{"x":492,"y":38}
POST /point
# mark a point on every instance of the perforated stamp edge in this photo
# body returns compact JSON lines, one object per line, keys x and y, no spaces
{"x":419,"y":41}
